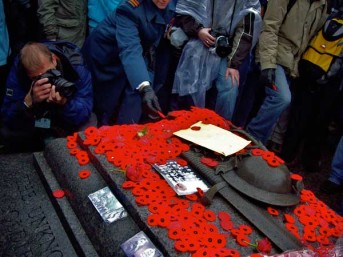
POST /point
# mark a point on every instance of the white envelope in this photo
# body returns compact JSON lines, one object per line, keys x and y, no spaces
{"x":214,"y":138}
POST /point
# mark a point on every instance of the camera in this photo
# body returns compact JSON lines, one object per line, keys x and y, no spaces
{"x":222,"y":44}
{"x":63,"y":86}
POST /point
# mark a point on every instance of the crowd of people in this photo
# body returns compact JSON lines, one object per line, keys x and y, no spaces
{"x":66,"y":65}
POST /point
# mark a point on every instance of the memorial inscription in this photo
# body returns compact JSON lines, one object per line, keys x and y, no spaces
{"x":28,"y":223}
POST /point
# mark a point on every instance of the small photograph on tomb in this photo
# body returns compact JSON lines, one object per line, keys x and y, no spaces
{"x":140,"y":246}
{"x":107,"y":205}
{"x":182,"y":179}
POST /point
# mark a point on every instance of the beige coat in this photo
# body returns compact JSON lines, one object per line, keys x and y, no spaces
{"x":285,"y":37}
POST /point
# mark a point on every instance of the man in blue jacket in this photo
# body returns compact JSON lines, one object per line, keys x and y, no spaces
{"x":48,"y":94}
{"x":121,"y":54}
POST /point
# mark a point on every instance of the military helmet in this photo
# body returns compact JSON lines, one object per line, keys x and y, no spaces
{"x":258,"y":180}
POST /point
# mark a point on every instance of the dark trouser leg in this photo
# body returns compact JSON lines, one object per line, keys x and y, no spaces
{"x":301,"y":110}
{"x":318,"y":127}
{"x":250,"y":72}
{"x":21,"y":140}
{"x":130,"y":110}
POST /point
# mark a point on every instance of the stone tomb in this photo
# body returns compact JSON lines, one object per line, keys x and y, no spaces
{"x":107,"y":238}
{"x":34,"y":223}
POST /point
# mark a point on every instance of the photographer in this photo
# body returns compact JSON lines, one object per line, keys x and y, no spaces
{"x":48,"y":94}
{"x":222,"y":34}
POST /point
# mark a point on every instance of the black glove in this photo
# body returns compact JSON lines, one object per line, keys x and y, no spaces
{"x":267,"y":78}
{"x":150,"y":100}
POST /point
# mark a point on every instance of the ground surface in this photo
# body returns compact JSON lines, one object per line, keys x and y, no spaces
{"x":313,"y":181}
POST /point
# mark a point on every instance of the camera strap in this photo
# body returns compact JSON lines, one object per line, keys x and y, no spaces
{"x":233,"y":12}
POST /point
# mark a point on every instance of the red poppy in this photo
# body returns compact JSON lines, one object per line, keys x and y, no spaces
{"x":200,"y":192}
{"x":227,"y":225}
{"x":71,"y":144}
{"x":222,"y":215}
{"x":196,"y":128}
{"x":296,"y":177}
{"x":325,"y":231}
{"x":310,"y":237}
{"x":323,"y":240}
{"x":291,"y":227}
{"x":182,"y":162}
{"x":272,"y":211}
{"x":133,"y":174}
{"x":245,"y":229}
{"x":58,"y":193}
{"x":257,"y":152}
{"x":83,"y":174}
{"x":255,"y":255}
{"x":204,"y":252}
{"x":192,"y":197}
{"x":226,"y":252}
{"x":288,"y":218}
{"x":243,"y":240}
{"x":181,"y":246}
{"x":235,"y":232}
{"x":209,"y":215}
{"x":273,"y":162}
{"x":74,"y":151}
{"x":264,"y":246}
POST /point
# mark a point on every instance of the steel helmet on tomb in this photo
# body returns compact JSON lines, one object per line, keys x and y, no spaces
{"x":258,"y":180}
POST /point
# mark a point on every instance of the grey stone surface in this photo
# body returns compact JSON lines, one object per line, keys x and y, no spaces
{"x":80,"y":240}
{"x":106,"y":238}
{"x":29,"y":225}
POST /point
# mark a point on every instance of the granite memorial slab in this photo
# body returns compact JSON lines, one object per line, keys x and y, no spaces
{"x":29,"y":224}
{"x":106,"y":238}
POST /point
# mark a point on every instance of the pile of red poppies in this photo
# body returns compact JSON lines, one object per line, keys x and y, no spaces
{"x":133,"y":148}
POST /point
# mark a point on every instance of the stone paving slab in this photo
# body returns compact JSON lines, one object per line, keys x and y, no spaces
{"x":29,"y":224}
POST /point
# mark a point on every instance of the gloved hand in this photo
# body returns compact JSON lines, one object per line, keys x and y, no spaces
{"x":267,"y":78}
{"x":150,"y":100}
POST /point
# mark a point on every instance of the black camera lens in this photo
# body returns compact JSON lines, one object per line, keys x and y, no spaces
{"x":63,"y":86}
{"x":223,"y":47}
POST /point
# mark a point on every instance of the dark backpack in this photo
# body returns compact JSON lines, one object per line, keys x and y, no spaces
{"x":324,"y":49}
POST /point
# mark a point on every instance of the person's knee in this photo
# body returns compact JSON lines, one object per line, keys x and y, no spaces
{"x":286,"y":100}
{"x":282,"y":101}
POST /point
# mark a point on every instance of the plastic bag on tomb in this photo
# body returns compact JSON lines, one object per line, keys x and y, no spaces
{"x":336,"y":251}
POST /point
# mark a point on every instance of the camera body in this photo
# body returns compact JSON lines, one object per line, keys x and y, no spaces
{"x":63,"y":86}
{"x":222,"y":44}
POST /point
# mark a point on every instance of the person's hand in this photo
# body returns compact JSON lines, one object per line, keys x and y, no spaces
{"x":41,"y":90}
{"x":267,"y":78}
{"x":205,"y":36}
{"x":55,"y":97}
{"x":150,"y":100}
{"x":233,"y":74}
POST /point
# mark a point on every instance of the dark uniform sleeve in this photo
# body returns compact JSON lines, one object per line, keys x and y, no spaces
{"x":242,"y":41}
{"x":188,"y":24}
{"x":130,"y":46}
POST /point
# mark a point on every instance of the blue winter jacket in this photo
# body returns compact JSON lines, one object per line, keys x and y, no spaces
{"x":4,"y":46}
{"x":98,"y":10}
{"x":74,"y":113}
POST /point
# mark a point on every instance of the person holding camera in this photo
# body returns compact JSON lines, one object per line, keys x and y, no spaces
{"x":221,"y":35}
{"x":48,"y":94}
{"x":122,"y":53}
